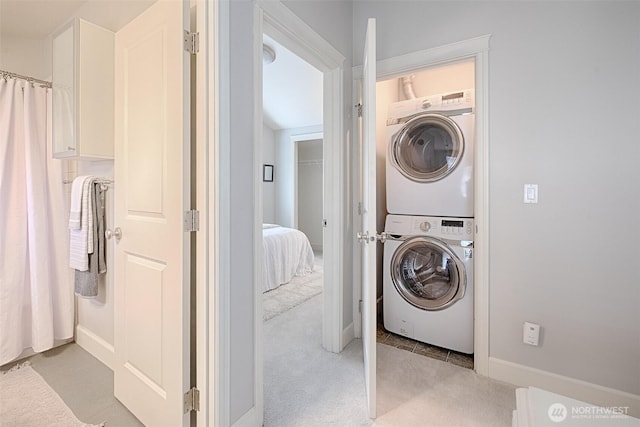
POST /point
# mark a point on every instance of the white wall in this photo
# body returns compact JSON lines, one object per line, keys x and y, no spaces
{"x":284,"y":156}
{"x":268,"y":188}
{"x":563,"y":113}
{"x":241,"y":351}
{"x":29,"y":57}
{"x":95,"y":317}
{"x":442,"y":79}
{"x":310,"y":194}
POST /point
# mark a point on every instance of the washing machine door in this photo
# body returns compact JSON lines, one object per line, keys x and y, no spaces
{"x":427,"y":273}
{"x":427,"y":148}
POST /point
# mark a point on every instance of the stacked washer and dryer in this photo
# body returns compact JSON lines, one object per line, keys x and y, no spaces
{"x":428,"y":252}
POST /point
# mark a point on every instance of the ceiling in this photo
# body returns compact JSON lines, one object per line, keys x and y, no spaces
{"x":292,"y":88}
{"x":36,"y":19}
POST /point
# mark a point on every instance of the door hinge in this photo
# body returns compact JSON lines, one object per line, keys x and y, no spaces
{"x":359,"y":208}
{"x":191,"y":220}
{"x":360,"y":306}
{"x":191,"y":42}
{"x":324,"y":223}
{"x":192,"y":400}
{"x":359,"y":109}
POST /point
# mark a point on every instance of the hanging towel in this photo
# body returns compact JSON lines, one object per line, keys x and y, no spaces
{"x":86,"y":282}
{"x":87,"y":206}
{"x":81,"y":241}
{"x":76,"y":202}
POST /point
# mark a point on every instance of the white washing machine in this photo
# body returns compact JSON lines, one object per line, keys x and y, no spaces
{"x":428,"y":280}
{"x":430,"y":155}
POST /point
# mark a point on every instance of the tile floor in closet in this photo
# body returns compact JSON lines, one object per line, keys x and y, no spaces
{"x":460,"y":359}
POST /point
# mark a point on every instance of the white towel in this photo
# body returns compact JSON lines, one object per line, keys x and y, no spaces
{"x":79,"y":240}
{"x":76,"y":202}
{"x":87,"y":211}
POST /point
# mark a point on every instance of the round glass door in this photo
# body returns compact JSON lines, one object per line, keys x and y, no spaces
{"x":427,"y":274}
{"x":427,"y":148}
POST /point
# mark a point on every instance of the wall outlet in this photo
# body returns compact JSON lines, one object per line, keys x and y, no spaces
{"x":531,"y":333}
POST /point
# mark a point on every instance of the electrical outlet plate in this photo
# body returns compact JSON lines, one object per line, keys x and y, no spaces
{"x":531,"y":333}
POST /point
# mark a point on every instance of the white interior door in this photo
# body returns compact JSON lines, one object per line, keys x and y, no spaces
{"x":151,"y":175}
{"x":368,"y":235}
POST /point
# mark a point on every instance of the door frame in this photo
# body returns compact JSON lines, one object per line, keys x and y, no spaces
{"x":209,"y":193}
{"x":294,"y":185}
{"x":476,"y":49}
{"x":281,"y":24}
{"x":213,"y":289}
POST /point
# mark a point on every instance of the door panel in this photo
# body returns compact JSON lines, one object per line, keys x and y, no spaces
{"x":369,"y":215}
{"x":151,"y":167}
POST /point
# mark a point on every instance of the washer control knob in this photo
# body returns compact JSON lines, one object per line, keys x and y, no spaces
{"x":426,"y":104}
{"x":425,"y":226}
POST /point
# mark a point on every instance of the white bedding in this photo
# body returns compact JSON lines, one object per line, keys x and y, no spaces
{"x":287,"y":253}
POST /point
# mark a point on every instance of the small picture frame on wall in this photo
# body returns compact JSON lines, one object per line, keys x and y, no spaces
{"x":267,"y":173}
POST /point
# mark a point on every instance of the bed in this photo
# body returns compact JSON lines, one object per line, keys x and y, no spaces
{"x":287,"y":253}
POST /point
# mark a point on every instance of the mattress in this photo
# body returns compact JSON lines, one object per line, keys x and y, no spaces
{"x":287,"y":253}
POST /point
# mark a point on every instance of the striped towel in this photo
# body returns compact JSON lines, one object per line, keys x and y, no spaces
{"x":81,"y":240}
{"x":76,"y":202}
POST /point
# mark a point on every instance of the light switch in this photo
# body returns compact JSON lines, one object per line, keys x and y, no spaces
{"x":531,"y":193}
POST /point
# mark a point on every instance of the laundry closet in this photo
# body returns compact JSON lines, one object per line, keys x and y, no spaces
{"x":425,"y":127}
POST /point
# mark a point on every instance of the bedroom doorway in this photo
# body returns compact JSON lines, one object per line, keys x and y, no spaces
{"x":292,"y":191}
{"x":276,"y":22}
{"x":293,"y":210}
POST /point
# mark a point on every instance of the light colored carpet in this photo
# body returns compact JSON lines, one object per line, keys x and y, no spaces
{"x":414,"y":390}
{"x":304,"y":385}
{"x":289,"y":295}
{"x":27,"y":400}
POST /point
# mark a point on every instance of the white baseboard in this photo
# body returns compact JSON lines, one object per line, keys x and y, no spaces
{"x":98,"y":347}
{"x":595,"y":394}
{"x":348,"y":334}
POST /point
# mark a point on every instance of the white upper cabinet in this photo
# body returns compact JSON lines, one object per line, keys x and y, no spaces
{"x":83,"y":92}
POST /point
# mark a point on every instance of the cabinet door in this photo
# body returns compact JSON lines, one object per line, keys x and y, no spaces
{"x":83,"y":73}
{"x":63,"y":93}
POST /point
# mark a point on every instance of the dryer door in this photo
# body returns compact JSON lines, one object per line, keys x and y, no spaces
{"x":427,"y":148}
{"x":427,"y":274}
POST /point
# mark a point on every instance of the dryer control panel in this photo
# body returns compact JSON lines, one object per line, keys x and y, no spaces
{"x":453,"y":101}
{"x":445,"y":227}
{"x":456,"y":227}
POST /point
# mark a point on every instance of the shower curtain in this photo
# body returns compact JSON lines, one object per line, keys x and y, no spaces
{"x":36,"y":294}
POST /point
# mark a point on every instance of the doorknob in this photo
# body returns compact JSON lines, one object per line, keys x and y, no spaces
{"x":117,"y":233}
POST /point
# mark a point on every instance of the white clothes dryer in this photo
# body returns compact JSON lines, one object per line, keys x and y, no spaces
{"x":428,"y":280}
{"x":429,"y":166}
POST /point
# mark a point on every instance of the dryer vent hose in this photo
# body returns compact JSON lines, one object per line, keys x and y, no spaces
{"x":407,"y":85}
